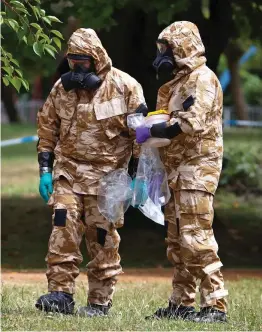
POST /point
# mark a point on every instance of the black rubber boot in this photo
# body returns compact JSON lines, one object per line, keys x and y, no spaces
{"x":211,"y":315}
{"x":174,"y":312}
{"x":93,"y":310}
{"x":56,"y":302}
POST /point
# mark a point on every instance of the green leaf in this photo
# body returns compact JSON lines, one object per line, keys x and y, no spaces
{"x":15,"y":62}
{"x":25,"y":27}
{"x":57,"y":33}
{"x":30,"y":39}
{"x":25,"y":40}
{"x":51,"y":47}
{"x":13,"y":23}
{"x":45,"y":37}
{"x":54,"y":19}
{"x":26,"y":21}
{"x":9,"y":12}
{"x":38,"y":1}
{"x":46,"y":19}
{"x":23,"y":10}
{"x":20,"y":34}
{"x":37,"y":26}
{"x":25,"y":84}
{"x":8,"y":69}
{"x":38,"y":48}
{"x":9,"y":55}
{"x":17,"y":4}
{"x":5,"y":61}
{"x":1,"y":19}
{"x":57,"y":41}
{"x":19,"y":72}
{"x":16,"y":82}
{"x":50,"y":51}
{"x":35,"y":11}
{"x":5,"y":80}
{"x":42,"y":12}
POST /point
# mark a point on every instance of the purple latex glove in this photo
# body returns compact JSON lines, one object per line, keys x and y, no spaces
{"x":142,"y":134}
{"x":155,"y":184}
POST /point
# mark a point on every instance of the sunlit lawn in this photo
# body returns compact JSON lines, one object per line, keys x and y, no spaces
{"x":132,"y":302}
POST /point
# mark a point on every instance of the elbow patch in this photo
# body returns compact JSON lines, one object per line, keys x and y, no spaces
{"x":188,"y":102}
{"x":162,"y":131}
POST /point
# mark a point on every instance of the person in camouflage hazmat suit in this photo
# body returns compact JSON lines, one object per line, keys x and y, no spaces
{"x":82,"y":125}
{"x":193,"y":98}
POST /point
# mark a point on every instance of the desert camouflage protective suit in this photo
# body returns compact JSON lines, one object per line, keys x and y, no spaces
{"x":193,"y":160}
{"x":88,"y":133}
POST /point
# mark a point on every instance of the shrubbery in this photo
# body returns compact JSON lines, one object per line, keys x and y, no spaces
{"x":242,"y":169}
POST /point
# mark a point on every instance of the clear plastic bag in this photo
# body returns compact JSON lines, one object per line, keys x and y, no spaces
{"x":114,"y":194}
{"x":135,"y":120}
{"x":150,"y":188}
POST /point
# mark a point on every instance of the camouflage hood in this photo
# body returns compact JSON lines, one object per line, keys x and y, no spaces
{"x":187,"y":46}
{"x":86,"y":41}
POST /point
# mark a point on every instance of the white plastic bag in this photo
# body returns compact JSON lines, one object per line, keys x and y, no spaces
{"x":152,"y":211}
{"x":150,"y":188}
{"x":114,"y":194}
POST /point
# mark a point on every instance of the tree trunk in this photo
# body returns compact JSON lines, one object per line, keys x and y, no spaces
{"x":233,"y":54}
{"x":218,"y":30}
{"x":132,"y":47}
{"x":237,"y":92}
{"x":8,"y":101}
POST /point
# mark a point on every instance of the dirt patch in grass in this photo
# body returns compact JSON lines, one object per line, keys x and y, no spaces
{"x":130,"y":275}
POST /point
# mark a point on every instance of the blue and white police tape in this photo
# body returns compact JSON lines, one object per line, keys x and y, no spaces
{"x":244,"y":123}
{"x":15,"y":141}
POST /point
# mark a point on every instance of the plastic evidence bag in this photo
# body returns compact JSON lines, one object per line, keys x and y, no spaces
{"x":114,"y":194}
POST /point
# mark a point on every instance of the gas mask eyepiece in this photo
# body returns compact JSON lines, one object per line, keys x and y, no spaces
{"x":164,"y":63}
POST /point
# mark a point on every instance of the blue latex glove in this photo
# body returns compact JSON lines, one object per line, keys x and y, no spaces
{"x":141,"y":192}
{"x":142,"y":134}
{"x":46,"y":186}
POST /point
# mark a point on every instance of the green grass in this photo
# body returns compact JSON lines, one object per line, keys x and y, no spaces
{"x":19,"y":163}
{"x":17,"y":130}
{"x":132,"y":302}
{"x":247,"y":138}
{"x":237,"y":206}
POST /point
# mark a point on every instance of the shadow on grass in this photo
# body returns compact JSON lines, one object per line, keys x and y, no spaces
{"x":26,"y":226}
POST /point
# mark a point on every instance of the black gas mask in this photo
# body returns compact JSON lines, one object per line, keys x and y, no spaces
{"x":164,"y":62}
{"x":82,"y":74}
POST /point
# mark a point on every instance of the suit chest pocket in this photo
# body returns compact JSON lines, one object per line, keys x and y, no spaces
{"x":112,"y":116}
